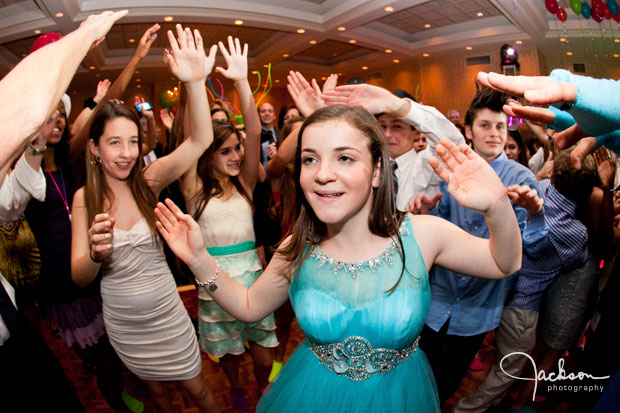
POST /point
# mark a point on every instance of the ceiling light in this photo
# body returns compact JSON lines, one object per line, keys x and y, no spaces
{"x":138,"y":80}
{"x":168,"y":18}
{"x":616,"y":55}
{"x":285,"y":55}
{"x":334,"y":54}
{"x":138,"y":86}
{"x":342,"y":29}
{"x":425,"y":54}
{"x":137,"y":71}
{"x":265,"y":65}
{"x":569,"y":53}
{"x":469,"y":48}
{"x":364,"y":67}
{"x":518,"y":42}
{"x":427,"y":26}
{"x":396,"y":61}
{"x":323,"y":78}
{"x":388,"y":51}
{"x":277,"y":80}
{"x":37,"y":31}
{"x":59,"y":15}
{"x":339,"y":74}
{"x":389,"y":9}
{"x":562,"y":39}
{"x":301,"y":31}
{"x":238,"y":22}
{"x":131,"y":40}
{"x":91,"y":67}
{"x":312,"y":42}
{"x":352,"y":41}
{"x":480,"y":14}
{"x":616,"y":40}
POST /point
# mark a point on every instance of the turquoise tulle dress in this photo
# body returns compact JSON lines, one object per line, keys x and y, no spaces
{"x":342,"y":302}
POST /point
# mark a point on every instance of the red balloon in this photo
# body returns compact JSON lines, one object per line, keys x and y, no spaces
{"x":616,"y":17}
{"x":561,"y":13}
{"x":607,"y":13}
{"x":551,"y":5}
{"x":598,"y":11}
{"x":44,"y":40}
{"x":596,"y":3}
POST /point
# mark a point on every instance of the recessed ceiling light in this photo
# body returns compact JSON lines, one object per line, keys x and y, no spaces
{"x":364,"y":67}
{"x":389,"y":9}
{"x":342,"y":29}
{"x":138,"y":80}
{"x":168,"y":18}
{"x":91,"y":67}
{"x":469,"y":48}
{"x":339,"y":74}
{"x":388,"y":51}
{"x":277,"y":80}
{"x":396,"y":61}
{"x":427,"y":26}
{"x":137,"y":71}
{"x":616,"y":40}
{"x":518,"y":42}
{"x":425,"y":54}
{"x":569,"y":53}
{"x":238,"y":22}
{"x":131,"y":40}
{"x":301,"y":31}
{"x":323,"y":78}
{"x":254,"y":72}
{"x":59,"y":15}
{"x":37,"y":31}
{"x":312,"y":42}
{"x":138,"y":86}
{"x":334,"y":54}
{"x":285,"y":55}
{"x":562,"y":39}
{"x":480,"y":14}
{"x":616,"y":55}
{"x":265,"y":65}
{"x":352,"y":41}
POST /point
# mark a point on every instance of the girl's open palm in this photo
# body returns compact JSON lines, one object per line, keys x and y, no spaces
{"x":180,"y":231}
{"x":236,"y":59}
{"x":186,"y":57}
{"x":471,"y":180}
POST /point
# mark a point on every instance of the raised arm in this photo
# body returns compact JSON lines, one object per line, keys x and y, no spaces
{"x":102,"y":89}
{"x":187,"y":61}
{"x":285,"y":153}
{"x":35,"y":85}
{"x":251,"y":304}
{"x":473,"y":184}
{"x":152,"y":131}
{"x":237,"y":71}
{"x":77,"y":144}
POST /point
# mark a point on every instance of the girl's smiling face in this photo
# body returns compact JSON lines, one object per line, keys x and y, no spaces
{"x":337,"y":172}
{"x":118,"y":148}
{"x":228,"y":157}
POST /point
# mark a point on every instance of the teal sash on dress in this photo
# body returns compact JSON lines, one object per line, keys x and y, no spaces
{"x":232,"y":249}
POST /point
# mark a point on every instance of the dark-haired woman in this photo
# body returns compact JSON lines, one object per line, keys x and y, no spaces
{"x":220,"y":198}
{"x":114,"y":233}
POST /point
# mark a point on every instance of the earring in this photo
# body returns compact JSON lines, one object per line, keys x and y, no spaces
{"x":95,"y":162}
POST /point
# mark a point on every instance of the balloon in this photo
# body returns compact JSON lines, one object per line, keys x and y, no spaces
{"x":167,"y":100}
{"x":586,"y":12}
{"x":613,"y":7}
{"x":597,"y":14}
{"x":44,"y":40}
{"x":616,"y":17}
{"x":561,"y":13}
{"x":576,"y":6}
{"x":552,"y":6}
{"x":607,"y":13}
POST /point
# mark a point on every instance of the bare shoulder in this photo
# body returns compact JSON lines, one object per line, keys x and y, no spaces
{"x":78,"y":198}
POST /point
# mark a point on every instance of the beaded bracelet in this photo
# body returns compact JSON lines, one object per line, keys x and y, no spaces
{"x":210,"y":283}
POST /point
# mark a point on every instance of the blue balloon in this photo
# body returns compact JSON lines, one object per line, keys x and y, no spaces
{"x":585,"y":10}
{"x":613,"y":7}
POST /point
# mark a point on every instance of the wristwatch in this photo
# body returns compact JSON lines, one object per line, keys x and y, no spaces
{"x":32,"y":150}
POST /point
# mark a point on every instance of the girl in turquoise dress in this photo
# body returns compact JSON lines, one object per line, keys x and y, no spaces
{"x":356,"y":270}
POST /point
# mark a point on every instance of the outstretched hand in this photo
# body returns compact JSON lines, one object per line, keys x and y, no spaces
{"x":525,"y":197}
{"x":423,"y":204}
{"x":102,"y":89}
{"x":540,"y":90}
{"x":236,"y":59}
{"x":606,"y":167}
{"x":180,"y":231}
{"x":471,"y":180}
{"x":330,"y":83}
{"x":186,"y":57}
{"x":101,"y":23}
{"x":146,"y":41}
{"x":372,"y":98}
{"x":308,"y":99}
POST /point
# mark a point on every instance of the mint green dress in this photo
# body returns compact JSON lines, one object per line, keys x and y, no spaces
{"x":339,"y":302}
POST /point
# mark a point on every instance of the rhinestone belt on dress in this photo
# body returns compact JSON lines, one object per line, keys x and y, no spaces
{"x":357,"y":360}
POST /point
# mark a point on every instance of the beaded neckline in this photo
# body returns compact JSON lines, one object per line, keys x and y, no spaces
{"x":354,"y":268}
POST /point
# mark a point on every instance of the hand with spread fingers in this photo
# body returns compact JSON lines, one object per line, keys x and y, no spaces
{"x":180,"y":231}
{"x":423,"y":204}
{"x":540,"y":90}
{"x":308,"y":98}
{"x":525,"y":197}
{"x":102,"y":89}
{"x":101,"y":237}
{"x":100,"y":24}
{"x":372,"y":98}
{"x":236,"y":59}
{"x":606,"y":168}
{"x":186,"y":57}
{"x":471,"y":180}
{"x":147,"y":40}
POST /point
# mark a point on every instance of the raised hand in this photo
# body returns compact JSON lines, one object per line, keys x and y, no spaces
{"x":186,"y":57}
{"x":471,"y":180}
{"x":179,"y":230}
{"x":236,"y":59}
{"x":102,"y":88}
{"x":330,"y":83}
{"x":101,"y":23}
{"x":539,"y":90}
{"x":146,"y":113}
{"x":606,"y":167}
{"x":308,"y":99}
{"x":525,"y":197}
{"x":547,"y":168}
{"x":372,"y":98}
{"x":423,"y":204}
{"x":166,"y":118}
{"x":146,"y":41}
{"x":101,"y":235}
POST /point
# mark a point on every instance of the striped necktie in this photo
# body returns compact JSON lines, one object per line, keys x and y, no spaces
{"x":394,"y":166}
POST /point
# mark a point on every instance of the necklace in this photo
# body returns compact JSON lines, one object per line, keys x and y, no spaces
{"x":63,"y":194}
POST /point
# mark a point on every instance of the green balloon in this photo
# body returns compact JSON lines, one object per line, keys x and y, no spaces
{"x":576,"y":6}
{"x":167,"y":100}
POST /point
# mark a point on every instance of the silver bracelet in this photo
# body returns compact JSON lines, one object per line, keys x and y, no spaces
{"x":34,"y":151}
{"x":210,"y":283}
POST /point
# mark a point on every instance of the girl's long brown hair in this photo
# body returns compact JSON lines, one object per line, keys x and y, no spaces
{"x":384,"y":220}
{"x":210,"y":184}
{"x":98,"y":196}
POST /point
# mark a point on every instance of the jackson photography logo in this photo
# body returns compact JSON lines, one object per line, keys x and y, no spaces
{"x":553,"y":377}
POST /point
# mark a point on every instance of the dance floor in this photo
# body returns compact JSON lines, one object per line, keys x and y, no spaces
{"x":87,"y":391}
